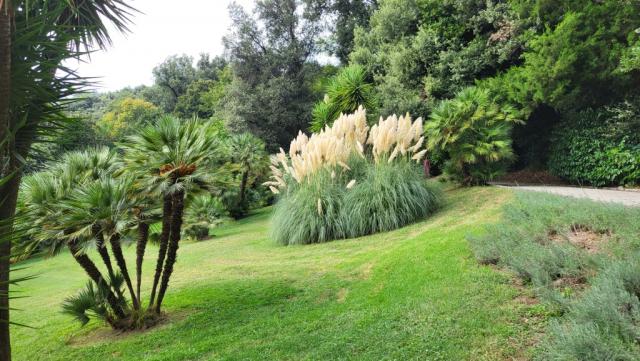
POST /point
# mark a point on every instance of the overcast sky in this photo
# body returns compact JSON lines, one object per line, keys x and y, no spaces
{"x":165,"y":27}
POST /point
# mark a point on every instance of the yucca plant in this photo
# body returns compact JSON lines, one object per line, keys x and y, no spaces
{"x":474,"y":133}
{"x":347,"y":90}
{"x":171,"y":158}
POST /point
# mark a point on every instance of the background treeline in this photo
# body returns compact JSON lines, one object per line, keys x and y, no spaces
{"x":506,"y":85}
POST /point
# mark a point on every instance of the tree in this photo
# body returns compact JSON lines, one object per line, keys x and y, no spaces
{"x":209,"y":69}
{"x":270,"y":54}
{"x":194,"y":102}
{"x":173,"y":156}
{"x":349,"y":15}
{"x":175,"y":74}
{"x":32,"y":91}
{"x":248,"y":152}
{"x":126,"y":115}
{"x":419,"y":52}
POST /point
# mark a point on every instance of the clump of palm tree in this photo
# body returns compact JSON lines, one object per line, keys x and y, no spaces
{"x":98,"y":200}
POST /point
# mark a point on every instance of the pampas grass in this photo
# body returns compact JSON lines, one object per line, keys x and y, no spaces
{"x":349,"y":180}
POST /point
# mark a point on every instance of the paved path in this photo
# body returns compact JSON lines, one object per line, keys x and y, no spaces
{"x":629,"y":198}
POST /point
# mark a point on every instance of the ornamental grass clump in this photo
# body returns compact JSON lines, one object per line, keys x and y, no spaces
{"x":350,"y":180}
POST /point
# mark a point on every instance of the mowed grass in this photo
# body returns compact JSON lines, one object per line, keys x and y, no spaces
{"x":413,"y":293}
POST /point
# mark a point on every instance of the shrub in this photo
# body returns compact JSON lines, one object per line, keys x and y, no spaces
{"x":349,"y":180}
{"x":347,"y":91}
{"x":597,"y":314}
{"x":474,"y":133}
{"x":598,"y":146}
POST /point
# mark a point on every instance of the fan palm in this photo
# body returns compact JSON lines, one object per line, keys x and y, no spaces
{"x":247,"y":151}
{"x":171,"y":157}
{"x":102,"y":209}
{"x":36,"y":36}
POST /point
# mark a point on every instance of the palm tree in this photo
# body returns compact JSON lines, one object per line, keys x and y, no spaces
{"x":103,"y":208}
{"x":36,"y":36}
{"x":42,"y":195}
{"x":171,"y":157}
{"x":247,"y":151}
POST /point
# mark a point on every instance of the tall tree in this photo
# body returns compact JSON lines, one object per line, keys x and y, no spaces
{"x":271,"y":54}
{"x":175,"y":74}
{"x":41,"y":34}
{"x":349,"y":14}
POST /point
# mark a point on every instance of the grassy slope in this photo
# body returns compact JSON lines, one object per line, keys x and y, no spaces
{"x":412,"y":293}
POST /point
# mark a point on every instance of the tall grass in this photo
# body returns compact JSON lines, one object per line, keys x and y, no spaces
{"x":349,"y":180}
{"x":389,"y":196}
{"x":598,"y":311}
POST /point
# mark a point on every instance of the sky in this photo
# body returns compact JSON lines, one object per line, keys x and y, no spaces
{"x":164,"y":28}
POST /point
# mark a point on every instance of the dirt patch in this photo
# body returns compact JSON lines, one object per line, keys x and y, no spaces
{"x":104,"y":333}
{"x":583,"y":237}
{"x":576,"y":283}
{"x":532,"y":177}
{"x":342,"y":295}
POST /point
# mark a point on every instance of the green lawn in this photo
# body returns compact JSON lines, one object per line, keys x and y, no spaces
{"x":414,"y":293}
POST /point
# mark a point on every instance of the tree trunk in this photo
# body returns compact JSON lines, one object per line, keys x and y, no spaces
{"x":116,"y":248}
{"x":143,"y":236}
{"x":243,"y":187}
{"x":164,"y":241}
{"x":104,"y":254}
{"x":9,"y":191}
{"x":85,"y":262}
{"x":176,"y":225}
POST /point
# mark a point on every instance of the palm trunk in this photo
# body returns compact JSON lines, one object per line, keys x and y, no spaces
{"x":172,"y":251}
{"x":164,"y":241}
{"x":243,"y":187}
{"x":116,"y":248}
{"x":8,"y":191}
{"x":143,"y":236}
{"x":85,"y":262}
{"x":104,"y":254}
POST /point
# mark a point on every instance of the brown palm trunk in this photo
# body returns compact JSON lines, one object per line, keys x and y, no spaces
{"x":116,"y":248}
{"x":143,"y":236}
{"x":85,"y":262}
{"x":172,"y":251}
{"x":8,"y":191}
{"x":104,"y":254}
{"x":243,"y":187}
{"x":164,"y":241}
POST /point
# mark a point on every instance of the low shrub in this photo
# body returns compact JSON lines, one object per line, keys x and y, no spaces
{"x":349,"y":180}
{"x":598,"y":146}
{"x":581,"y":258}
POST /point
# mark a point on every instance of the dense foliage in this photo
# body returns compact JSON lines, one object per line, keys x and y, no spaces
{"x":472,"y":132}
{"x":349,"y":180}
{"x":598,"y":147}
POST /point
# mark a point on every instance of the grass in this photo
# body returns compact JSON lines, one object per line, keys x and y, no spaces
{"x":413,"y":293}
